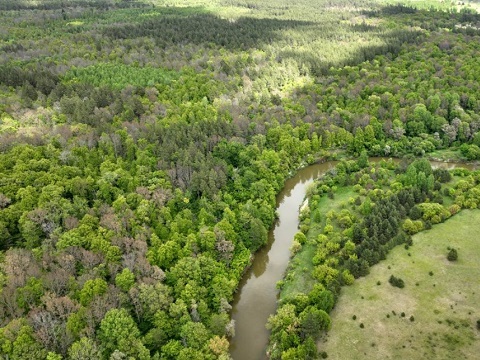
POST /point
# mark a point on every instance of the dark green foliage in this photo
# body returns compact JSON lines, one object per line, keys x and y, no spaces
{"x":397,"y":282}
{"x":415,"y":213}
{"x":313,"y":321}
{"x":442,"y":175}
{"x":452,"y":255}
{"x":321,"y":298}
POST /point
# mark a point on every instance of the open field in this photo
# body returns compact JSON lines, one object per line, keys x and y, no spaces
{"x":433,"y":317}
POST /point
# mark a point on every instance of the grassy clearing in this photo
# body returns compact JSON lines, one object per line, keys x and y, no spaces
{"x":299,"y":279}
{"x":441,"y":296}
{"x":452,"y":154}
{"x":118,"y":76}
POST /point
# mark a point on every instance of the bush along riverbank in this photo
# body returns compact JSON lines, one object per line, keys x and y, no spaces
{"x":355,"y":215}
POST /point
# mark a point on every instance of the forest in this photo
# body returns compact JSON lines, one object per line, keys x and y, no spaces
{"x":142,"y":145}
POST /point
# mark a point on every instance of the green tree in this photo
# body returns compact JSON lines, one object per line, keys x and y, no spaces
{"x":118,"y":331}
{"x":17,"y":341}
{"x":125,"y":279}
{"x":313,"y":321}
{"x":92,"y":288}
{"x":194,"y":334}
{"x":84,"y":349}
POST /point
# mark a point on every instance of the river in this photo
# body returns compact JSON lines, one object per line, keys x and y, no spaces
{"x":257,"y":295}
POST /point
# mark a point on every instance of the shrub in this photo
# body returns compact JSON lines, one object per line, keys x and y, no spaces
{"x":300,"y":237}
{"x":397,"y":282}
{"x":412,"y":227}
{"x":452,"y":255}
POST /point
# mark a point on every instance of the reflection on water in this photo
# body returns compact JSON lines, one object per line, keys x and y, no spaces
{"x":257,"y":294}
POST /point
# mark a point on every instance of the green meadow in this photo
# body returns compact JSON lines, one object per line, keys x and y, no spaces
{"x":433,"y":317}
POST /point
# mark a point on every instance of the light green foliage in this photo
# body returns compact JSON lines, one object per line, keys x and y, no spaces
{"x":152,"y":298}
{"x":325,"y":274}
{"x":412,"y":227}
{"x":194,"y":334}
{"x":347,"y":278}
{"x":125,"y":279}
{"x":91,"y":289}
{"x":167,"y":254}
{"x":172,"y":349}
{"x":284,"y":326}
{"x":79,"y":236}
{"x":284,"y":317}
{"x":118,"y":76}
{"x":84,"y":349}
{"x":118,"y":331}
{"x":433,"y":212}
{"x":53,"y":356}
{"x":301,"y":238}
{"x":17,"y":341}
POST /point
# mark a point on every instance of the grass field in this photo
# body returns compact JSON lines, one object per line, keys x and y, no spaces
{"x":442,"y":297}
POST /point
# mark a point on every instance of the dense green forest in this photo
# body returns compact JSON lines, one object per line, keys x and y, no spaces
{"x":142,"y":144}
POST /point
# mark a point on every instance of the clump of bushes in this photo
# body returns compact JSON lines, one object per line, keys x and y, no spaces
{"x":397,"y":282}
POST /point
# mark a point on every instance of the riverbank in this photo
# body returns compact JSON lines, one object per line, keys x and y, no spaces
{"x":256,"y":297}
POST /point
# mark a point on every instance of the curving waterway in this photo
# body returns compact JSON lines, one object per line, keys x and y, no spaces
{"x":257,"y":295}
